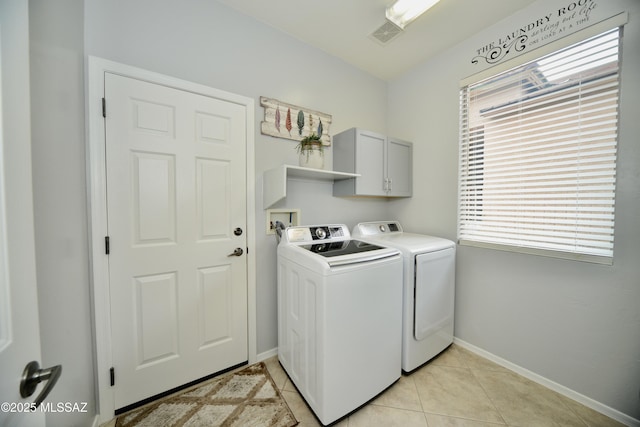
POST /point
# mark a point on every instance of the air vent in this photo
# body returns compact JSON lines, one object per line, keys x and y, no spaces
{"x":387,"y":32}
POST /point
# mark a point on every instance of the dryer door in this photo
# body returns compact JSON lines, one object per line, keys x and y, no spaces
{"x":434,"y":292}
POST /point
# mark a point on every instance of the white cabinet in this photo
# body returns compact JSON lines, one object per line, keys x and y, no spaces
{"x":384,"y":164}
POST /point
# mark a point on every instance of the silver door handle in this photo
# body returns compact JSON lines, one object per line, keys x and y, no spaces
{"x":33,"y":375}
{"x":236,"y":252}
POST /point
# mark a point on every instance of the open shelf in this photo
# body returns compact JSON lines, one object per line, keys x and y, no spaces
{"x":275,"y":180}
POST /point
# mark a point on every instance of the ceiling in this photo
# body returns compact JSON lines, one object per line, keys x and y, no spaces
{"x":343,"y":28}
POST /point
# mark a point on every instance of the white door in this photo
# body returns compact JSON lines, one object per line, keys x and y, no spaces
{"x":176,"y":196}
{"x":19,"y":329}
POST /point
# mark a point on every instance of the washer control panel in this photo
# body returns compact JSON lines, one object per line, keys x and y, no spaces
{"x":326,"y":232}
{"x":317,"y":232}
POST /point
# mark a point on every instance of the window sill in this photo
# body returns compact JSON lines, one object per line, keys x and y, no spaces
{"x":594,"y":259}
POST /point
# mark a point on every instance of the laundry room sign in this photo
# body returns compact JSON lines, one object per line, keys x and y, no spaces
{"x":539,"y":30}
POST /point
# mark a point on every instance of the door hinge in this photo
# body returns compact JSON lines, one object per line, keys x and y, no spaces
{"x":104,"y":108}
{"x":106,"y":245}
{"x":112,"y":376}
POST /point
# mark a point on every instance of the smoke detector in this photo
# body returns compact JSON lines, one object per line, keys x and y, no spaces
{"x":387,"y":32}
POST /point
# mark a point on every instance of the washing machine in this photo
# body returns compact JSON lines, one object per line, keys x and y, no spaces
{"x":339,"y":317}
{"x":429,"y":288}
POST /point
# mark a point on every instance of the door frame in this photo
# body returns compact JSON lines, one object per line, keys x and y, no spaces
{"x":97,"y":197}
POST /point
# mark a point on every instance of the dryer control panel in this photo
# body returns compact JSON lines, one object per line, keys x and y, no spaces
{"x":377,"y":227}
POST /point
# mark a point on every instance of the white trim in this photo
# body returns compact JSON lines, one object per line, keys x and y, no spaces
{"x":5,"y":305}
{"x":96,"y":188}
{"x":565,"y":391}
{"x":267,"y":354}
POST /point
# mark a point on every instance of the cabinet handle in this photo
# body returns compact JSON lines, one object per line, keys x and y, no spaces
{"x":387,"y":184}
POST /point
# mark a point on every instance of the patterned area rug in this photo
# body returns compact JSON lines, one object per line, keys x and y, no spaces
{"x":245,"y":398}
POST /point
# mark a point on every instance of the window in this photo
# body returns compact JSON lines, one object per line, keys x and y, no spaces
{"x":538,"y":154}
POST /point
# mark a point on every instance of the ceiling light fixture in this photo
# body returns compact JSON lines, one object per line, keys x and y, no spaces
{"x":402,"y":12}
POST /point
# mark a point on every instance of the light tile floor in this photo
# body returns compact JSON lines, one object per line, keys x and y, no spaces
{"x":456,"y":389}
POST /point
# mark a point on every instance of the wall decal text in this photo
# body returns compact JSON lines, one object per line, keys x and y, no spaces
{"x":538,"y":31}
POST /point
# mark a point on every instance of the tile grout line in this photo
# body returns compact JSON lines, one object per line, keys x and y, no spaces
{"x":488,"y":396}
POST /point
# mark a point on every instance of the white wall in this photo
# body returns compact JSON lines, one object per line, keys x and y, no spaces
{"x":574,"y":323}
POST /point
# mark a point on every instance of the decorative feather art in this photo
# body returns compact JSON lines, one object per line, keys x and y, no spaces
{"x":289,"y":120}
{"x":300,"y":122}
{"x":307,"y":121}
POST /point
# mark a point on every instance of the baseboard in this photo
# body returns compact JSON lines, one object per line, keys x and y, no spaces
{"x":565,"y":391}
{"x":96,"y":421}
{"x":267,"y":354}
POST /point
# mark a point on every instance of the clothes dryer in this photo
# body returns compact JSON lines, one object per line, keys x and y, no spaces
{"x":428,"y":288}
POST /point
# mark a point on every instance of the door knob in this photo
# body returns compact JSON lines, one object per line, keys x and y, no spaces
{"x":33,"y":375}
{"x":236,"y":252}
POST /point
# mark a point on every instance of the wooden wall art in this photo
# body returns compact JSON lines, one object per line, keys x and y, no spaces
{"x":283,"y":120}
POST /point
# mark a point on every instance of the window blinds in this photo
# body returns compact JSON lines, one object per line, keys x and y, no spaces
{"x":538,"y":154}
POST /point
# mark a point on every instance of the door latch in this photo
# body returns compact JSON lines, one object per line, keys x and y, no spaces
{"x":236,"y":252}
{"x":33,"y":375}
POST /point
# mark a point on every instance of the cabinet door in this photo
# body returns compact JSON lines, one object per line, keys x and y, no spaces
{"x":370,"y":163}
{"x":399,"y":167}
